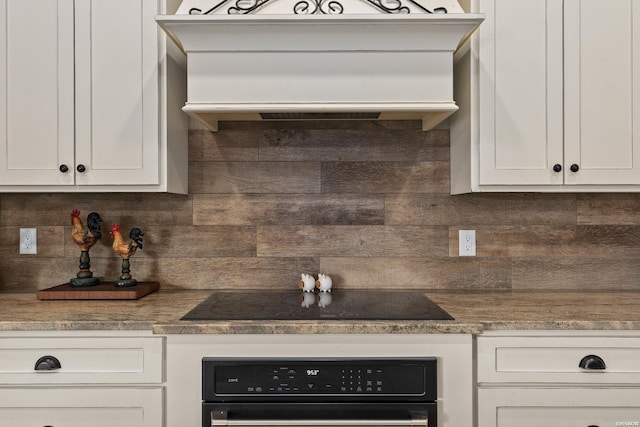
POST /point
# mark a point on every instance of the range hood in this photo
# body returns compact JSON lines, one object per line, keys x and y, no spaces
{"x":319,"y":59}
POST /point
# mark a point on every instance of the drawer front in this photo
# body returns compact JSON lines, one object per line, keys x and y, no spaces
{"x":81,"y":407}
{"x":82,"y":360}
{"x":557,"y":360}
{"x":518,"y":407}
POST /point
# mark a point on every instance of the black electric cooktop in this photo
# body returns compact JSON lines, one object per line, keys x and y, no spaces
{"x":298,"y":305}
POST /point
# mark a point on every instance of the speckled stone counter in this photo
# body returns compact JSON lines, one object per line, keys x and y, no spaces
{"x":474,"y":312}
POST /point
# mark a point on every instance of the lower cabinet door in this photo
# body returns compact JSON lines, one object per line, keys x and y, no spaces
{"x":81,"y":407}
{"x":558,"y":407}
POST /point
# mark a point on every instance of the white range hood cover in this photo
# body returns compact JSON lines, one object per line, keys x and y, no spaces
{"x":319,"y":59}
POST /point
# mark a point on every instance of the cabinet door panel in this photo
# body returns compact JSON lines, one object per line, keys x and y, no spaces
{"x":81,"y":407}
{"x":117,"y":92}
{"x":520,"y":67}
{"x":602,"y":71}
{"x":534,"y":407}
{"x":36,"y":92}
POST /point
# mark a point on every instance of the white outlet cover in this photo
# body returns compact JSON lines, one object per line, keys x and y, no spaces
{"x":467,"y":243}
{"x":28,"y":241}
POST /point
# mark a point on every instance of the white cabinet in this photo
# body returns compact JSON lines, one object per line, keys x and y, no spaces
{"x":557,"y":407}
{"x":81,"y":407}
{"x":97,"y":379}
{"x":36,"y":91}
{"x":90,"y":97}
{"x":602,"y":94}
{"x":527,"y":379}
{"x":104,"y":360}
{"x":549,"y":98}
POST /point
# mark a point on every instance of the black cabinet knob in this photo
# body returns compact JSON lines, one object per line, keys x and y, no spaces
{"x":574,"y":168}
{"x":47,"y":363}
{"x":64,"y":168}
{"x":81,"y":168}
{"x":592,"y":362}
{"x":557,"y":167}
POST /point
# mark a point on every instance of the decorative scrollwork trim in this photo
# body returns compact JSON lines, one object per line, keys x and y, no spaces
{"x":316,"y":7}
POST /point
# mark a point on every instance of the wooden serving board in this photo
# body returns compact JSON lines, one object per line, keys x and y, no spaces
{"x":103,"y":290}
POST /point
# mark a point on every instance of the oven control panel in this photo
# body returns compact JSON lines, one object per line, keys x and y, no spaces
{"x":323,"y":377}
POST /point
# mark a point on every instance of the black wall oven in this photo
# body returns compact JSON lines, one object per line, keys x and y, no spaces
{"x":336,"y":392}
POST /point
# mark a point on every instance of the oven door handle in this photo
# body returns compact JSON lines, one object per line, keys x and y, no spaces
{"x":222,"y":421}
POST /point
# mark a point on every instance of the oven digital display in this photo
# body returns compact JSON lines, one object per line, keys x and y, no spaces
{"x":321,"y":378}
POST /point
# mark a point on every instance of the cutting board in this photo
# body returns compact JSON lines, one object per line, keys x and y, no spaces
{"x":103,"y":290}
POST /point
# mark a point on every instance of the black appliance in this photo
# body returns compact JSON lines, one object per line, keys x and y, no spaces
{"x":341,"y":304}
{"x":343,"y":392}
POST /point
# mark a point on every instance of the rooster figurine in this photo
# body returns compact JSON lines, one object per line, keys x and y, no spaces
{"x":85,"y":238}
{"x":126,"y":249}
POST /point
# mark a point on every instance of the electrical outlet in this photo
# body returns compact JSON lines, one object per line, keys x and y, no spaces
{"x":28,"y":241}
{"x":467,"y":242}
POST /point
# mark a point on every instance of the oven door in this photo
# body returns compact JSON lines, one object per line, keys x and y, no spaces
{"x":325,"y":414}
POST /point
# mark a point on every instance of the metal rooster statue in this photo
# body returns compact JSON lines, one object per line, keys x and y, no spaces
{"x":126,"y":249}
{"x":85,"y":238}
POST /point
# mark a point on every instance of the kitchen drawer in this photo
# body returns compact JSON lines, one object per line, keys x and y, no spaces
{"x":104,"y":360}
{"x":558,"y":407}
{"x":81,"y":407}
{"x":555,"y":359}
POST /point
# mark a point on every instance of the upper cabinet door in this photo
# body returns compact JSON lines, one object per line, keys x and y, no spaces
{"x":602,"y":91}
{"x":520,"y":92}
{"x":117,"y":90}
{"x":36,"y":92}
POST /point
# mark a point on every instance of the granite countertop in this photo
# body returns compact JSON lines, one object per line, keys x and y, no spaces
{"x":474,"y":312}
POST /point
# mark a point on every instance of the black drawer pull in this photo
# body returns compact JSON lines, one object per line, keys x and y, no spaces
{"x":592,"y":362}
{"x":47,"y":363}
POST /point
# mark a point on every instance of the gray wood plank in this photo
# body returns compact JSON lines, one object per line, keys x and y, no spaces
{"x":288,"y":209}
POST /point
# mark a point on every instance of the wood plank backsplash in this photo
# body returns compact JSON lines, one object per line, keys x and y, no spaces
{"x":366,"y":202}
